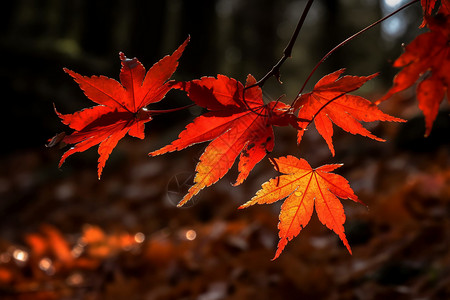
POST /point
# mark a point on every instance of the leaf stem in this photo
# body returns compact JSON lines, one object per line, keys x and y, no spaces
{"x":345,"y":42}
{"x":275,"y":71}
{"x":277,"y":168}
{"x":323,"y":106}
{"x":251,"y":108}
{"x":164,"y":111}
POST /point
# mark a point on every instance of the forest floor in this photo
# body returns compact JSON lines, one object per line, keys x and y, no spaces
{"x":66,"y":235}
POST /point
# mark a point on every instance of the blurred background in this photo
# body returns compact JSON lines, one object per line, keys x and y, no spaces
{"x":66,"y":235}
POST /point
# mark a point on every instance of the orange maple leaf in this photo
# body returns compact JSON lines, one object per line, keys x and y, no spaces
{"x":427,"y":57}
{"x":234,"y":124}
{"x":304,"y":188}
{"x":50,"y":242}
{"x":121,"y":108}
{"x":329,"y":103}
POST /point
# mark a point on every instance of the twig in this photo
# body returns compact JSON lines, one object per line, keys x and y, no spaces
{"x":275,"y":71}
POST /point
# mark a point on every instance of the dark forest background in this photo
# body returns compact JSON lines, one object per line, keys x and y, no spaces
{"x":39,"y":38}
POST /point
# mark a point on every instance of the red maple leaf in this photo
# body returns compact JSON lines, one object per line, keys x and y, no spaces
{"x":305,"y":188}
{"x":427,"y":57}
{"x":329,"y":103}
{"x":121,"y":108}
{"x":234,"y":124}
{"x":429,"y":5}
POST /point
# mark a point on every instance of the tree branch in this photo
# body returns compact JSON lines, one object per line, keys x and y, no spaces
{"x":275,"y":71}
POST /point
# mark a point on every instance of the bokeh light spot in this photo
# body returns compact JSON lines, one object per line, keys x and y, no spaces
{"x":191,"y":235}
{"x":139,"y":237}
{"x":20,"y":255}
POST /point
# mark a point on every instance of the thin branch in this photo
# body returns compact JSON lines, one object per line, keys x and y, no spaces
{"x":275,"y":71}
{"x":345,"y":42}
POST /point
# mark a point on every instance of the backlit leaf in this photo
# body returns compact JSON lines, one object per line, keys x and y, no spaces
{"x":305,"y":188}
{"x":122,"y":106}
{"x":427,"y":57}
{"x":329,"y":103}
{"x":235,"y":124}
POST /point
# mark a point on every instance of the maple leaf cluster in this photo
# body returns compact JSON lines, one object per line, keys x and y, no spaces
{"x":427,"y":57}
{"x":238,"y":124}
